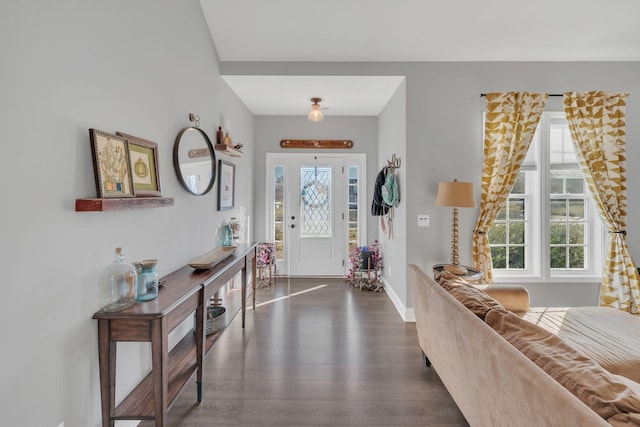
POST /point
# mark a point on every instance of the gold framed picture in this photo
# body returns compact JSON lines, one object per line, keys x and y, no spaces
{"x":143,"y":156}
{"x":111,"y":165}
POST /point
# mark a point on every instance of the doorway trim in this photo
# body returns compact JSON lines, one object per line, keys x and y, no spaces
{"x":348,"y":159}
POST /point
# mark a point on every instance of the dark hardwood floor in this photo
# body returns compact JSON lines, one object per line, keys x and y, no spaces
{"x":315,"y":353}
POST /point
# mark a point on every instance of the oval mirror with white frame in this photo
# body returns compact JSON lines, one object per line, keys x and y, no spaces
{"x":194,"y":161}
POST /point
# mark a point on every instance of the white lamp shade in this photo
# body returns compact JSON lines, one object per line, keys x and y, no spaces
{"x":315,"y":115}
{"x":456,"y":194}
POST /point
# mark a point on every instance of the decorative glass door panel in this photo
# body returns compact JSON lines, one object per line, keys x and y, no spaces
{"x":315,"y":205}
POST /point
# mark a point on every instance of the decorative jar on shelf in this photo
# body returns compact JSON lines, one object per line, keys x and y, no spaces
{"x":235,"y":228}
{"x":226,"y":236}
{"x":117,"y":285}
{"x":148,"y":280}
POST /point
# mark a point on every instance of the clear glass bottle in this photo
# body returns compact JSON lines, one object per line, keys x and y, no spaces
{"x":117,"y":285}
{"x":226,"y":237}
{"x":148,"y":280}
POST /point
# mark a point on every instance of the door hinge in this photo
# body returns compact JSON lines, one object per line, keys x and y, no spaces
{"x":343,"y":170}
{"x":343,"y":263}
{"x":343,"y":215}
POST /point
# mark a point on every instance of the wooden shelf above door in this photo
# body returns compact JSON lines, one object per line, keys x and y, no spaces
{"x":316,"y":143}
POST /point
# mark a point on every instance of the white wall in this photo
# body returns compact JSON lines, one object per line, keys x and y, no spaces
{"x":139,"y":67}
{"x":269,"y":130}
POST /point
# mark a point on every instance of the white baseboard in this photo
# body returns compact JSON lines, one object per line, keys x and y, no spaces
{"x":407,"y":314}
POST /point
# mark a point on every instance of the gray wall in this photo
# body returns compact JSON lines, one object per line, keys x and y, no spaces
{"x":444,"y":140}
{"x":139,"y":67}
{"x":392,"y":129}
{"x":269,"y":130}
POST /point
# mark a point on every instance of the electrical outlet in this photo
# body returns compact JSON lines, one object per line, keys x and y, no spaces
{"x":424,"y":220}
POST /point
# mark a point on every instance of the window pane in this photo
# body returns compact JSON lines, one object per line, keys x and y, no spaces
{"x":353,"y":195}
{"x":498,"y":234}
{"x":558,"y":209}
{"x":575,"y":182}
{"x":558,"y":233}
{"x":576,"y":257}
{"x":279,"y":228}
{"x":518,"y":186}
{"x":353,"y":232}
{"x":558,"y":257}
{"x":499,"y":257}
{"x":279,"y":212}
{"x":502,"y":215}
{"x":560,"y":145}
{"x":576,"y":233}
{"x":516,"y":257}
{"x":556,"y":182}
{"x":353,"y":215}
{"x":516,"y":233}
{"x":516,"y":209}
{"x":576,"y":209}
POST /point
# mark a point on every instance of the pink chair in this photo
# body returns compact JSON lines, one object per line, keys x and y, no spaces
{"x":266,"y":260}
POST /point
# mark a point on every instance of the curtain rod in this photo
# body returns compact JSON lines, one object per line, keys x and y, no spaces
{"x":551,"y":94}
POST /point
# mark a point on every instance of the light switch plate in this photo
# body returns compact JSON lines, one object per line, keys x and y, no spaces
{"x":424,"y":220}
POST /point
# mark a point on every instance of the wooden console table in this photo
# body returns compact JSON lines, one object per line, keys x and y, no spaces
{"x":184,"y":292}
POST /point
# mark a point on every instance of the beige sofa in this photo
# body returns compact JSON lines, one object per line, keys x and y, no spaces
{"x":514,"y":372}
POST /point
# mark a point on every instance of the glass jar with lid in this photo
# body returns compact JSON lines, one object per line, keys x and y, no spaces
{"x":235,"y":228}
{"x":117,"y":284}
{"x":148,"y":280}
{"x":226,"y":236}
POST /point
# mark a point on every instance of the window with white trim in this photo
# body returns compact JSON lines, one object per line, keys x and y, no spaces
{"x":549,"y":228}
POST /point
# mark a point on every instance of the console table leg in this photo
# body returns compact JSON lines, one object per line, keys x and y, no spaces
{"x":159,"y":362}
{"x":200,"y":341}
{"x":107,"y":366}
{"x":253,"y":278}
{"x":244,"y":292}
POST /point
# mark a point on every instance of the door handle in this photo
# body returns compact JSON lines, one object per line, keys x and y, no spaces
{"x":293,"y":226}
{"x":293,"y":217}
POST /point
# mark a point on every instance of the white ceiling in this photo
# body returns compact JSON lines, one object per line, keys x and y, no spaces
{"x":291,"y":95}
{"x":408,"y":30}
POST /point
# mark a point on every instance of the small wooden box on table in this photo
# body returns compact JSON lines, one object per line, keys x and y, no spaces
{"x":184,"y":292}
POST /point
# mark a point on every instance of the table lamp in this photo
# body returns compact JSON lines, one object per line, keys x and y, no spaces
{"x":457,"y":195}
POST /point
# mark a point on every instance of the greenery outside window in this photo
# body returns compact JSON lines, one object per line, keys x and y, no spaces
{"x":548,"y":228}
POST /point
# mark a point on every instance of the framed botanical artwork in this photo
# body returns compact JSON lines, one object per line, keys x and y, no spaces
{"x":111,"y":165}
{"x":143,"y":156}
{"x":226,"y":185}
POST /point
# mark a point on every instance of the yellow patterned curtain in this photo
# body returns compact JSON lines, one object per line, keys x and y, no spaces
{"x":510,"y":122}
{"x":597,"y":124}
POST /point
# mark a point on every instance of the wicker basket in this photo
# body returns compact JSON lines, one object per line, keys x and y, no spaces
{"x":216,"y":319}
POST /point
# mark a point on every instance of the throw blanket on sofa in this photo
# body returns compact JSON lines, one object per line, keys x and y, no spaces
{"x":585,"y":328}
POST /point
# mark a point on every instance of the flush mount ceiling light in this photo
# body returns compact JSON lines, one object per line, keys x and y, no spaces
{"x":315,"y":115}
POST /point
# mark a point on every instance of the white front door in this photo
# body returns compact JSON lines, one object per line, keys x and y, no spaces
{"x":315,"y":211}
{"x":316,"y":225}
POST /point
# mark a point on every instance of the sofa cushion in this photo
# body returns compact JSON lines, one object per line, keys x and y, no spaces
{"x":605,"y":393}
{"x":474,"y":299}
